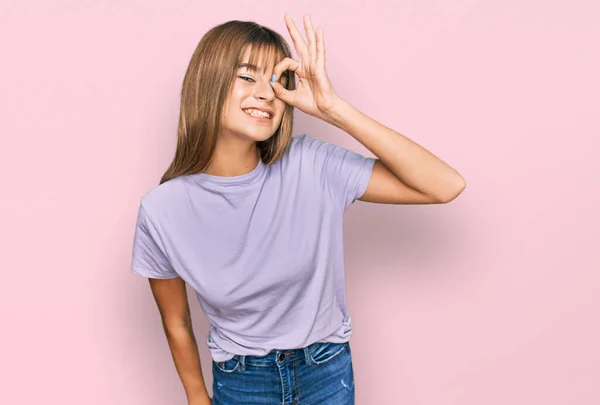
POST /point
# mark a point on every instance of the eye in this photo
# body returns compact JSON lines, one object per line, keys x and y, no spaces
{"x":246,"y":77}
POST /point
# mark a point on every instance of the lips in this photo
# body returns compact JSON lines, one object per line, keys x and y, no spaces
{"x":269,"y":111}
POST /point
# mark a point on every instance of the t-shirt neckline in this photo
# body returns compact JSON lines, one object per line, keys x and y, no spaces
{"x":243,"y":179}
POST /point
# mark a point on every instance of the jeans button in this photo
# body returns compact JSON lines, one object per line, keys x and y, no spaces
{"x":281,"y":356}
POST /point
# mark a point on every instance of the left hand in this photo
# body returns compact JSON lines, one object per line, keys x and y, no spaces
{"x":314,"y":94}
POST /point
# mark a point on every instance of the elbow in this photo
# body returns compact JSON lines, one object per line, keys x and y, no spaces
{"x":456,"y":191}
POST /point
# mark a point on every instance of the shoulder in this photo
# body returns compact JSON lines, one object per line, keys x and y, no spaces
{"x":298,"y":142}
{"x":303,"y":147}
{"x":163,"y":196}
{"x":305,"y":142}
{"x":314,"y":152}
{"x":300,"y":153}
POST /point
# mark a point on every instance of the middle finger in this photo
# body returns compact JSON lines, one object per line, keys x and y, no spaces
{"x":310,"y":35}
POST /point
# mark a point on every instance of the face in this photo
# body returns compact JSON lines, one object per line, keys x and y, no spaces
{"x":251,"y":90}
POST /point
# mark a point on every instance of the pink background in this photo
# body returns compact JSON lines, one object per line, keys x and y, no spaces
{"x":492,"y":299}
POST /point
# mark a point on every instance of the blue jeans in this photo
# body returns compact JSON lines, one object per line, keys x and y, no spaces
{"x":319,"y":374}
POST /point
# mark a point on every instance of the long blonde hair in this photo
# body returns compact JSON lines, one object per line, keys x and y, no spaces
{"x":207,"y":83}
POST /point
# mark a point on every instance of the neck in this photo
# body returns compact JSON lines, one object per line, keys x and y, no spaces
{"x":233,"y":157}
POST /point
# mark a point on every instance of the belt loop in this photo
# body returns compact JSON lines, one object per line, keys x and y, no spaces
{"x":306,"y":358}
{"x":243,"y":362}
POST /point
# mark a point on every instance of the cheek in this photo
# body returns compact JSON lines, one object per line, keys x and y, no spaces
{"x":280,"y":106}
{"x":238,"y":93}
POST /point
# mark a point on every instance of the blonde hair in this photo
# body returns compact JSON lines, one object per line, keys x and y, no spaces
{"x":206,"y":85}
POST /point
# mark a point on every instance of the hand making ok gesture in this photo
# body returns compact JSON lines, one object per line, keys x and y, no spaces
{"x":314,"y":94}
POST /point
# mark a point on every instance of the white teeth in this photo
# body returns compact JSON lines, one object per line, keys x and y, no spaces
{"x":257,"y":113}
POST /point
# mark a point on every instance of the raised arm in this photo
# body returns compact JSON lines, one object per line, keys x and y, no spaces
{"x":171,"y":298}
{"x":405,"y":172}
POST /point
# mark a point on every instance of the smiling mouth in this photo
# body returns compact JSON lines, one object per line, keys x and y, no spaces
{"x":257,"y":114}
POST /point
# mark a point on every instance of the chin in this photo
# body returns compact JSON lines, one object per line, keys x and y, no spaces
{"x":260,"y":137}
{"x":255,"y":134}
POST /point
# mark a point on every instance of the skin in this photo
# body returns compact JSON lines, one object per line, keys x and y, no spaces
{"x":405,"y":172}
{"x":236,"y":152}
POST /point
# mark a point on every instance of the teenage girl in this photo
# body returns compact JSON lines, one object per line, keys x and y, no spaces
{"x":251,"y":218}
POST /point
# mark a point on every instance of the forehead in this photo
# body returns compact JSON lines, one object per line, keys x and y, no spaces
{"x":259,"y":58}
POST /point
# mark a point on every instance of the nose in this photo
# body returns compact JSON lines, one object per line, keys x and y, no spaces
{"x":264,"y":91}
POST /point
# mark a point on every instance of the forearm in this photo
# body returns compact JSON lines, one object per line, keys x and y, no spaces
{"x":184,"y":350}
{"x":411,"y":163}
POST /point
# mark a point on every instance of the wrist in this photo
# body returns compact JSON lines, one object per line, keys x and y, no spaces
{"x":336,"y":113}
{"x":200,"y":400}
{"x":198,"y":397}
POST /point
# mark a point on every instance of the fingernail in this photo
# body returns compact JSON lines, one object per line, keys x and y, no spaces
{"x":273,"y":78}
{"x":290,"y":13}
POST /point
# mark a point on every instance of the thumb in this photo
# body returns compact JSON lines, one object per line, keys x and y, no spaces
{"x":282,"y":93}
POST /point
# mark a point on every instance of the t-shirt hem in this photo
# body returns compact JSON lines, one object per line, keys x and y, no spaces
{"x":140,"y":271}
{"x":365,"y":177}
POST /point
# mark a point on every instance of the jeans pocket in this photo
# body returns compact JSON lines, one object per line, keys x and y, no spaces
{"x":228,"y":366}
{"x":324,"y":352}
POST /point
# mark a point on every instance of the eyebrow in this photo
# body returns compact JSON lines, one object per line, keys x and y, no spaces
{"x":254,"y":68}
{"x":250,"y":66}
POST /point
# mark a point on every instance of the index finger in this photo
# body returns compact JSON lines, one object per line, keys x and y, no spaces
{"x":297,"y":38}
{"x":286,"y":64}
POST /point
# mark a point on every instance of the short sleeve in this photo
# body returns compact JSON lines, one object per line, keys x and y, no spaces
{"x":148,"y":258}
{"x":344,"y":174}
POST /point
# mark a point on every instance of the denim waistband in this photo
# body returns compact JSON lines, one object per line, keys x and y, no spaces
{"x":278,"y":357}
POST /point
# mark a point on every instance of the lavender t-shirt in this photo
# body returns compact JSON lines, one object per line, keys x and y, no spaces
{"x":263,"y":251}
